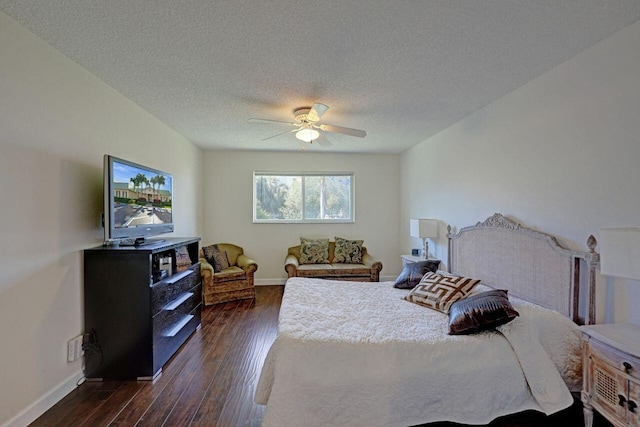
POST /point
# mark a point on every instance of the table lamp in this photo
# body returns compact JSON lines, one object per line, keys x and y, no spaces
{"x":424,"y":229}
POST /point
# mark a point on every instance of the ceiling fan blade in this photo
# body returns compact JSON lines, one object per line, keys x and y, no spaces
{"x":255,"y":119}
{"x":323,"y":140}
{"x":346,"y":131}
{"x":317,"y":111}
{"x":282,"y":133}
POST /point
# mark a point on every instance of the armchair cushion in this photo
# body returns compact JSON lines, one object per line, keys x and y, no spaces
{"x":230,"y":273}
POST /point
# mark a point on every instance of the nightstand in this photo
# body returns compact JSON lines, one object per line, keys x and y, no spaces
{"x":410,"y":258}
{"x":611,"y":367}
{"x":413,"y":258}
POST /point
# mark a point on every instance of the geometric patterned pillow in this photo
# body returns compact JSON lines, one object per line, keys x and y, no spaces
{"x":440,"y":292}
{"x":348,"y":251}
{"x":314,"y":251}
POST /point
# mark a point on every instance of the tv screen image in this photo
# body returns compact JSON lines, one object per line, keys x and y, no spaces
{"x":138,"y":200}
{"x":140,"y":197}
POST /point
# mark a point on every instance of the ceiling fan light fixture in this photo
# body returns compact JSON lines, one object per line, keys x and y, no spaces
{"x":307,"y":135}
{"x":307,"y":126}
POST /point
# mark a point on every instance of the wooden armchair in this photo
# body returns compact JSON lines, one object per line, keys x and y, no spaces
{"x":229,"y":284}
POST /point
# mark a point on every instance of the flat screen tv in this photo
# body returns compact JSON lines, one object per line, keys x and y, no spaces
{"x":137,"y":202}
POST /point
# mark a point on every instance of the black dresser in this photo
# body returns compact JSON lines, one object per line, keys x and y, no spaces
{"x":137,"y":315}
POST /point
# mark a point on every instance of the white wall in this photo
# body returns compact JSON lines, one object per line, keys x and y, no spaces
{"x":559,"y":154}
{"x":228,"y":190}
{"x":56,"y":122}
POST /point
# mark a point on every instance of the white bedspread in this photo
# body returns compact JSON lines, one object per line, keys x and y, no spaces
{"x":358,"y":354}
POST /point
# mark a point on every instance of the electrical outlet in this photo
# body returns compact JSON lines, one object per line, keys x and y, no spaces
{"x":71,"y":351}
{"x":74,"y":349}
{"x":79,"y":350}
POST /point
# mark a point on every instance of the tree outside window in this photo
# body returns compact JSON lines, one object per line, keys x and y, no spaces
{"x":303,"y":197}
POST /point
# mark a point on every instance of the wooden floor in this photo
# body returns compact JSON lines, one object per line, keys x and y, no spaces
{"x":212,"y":379}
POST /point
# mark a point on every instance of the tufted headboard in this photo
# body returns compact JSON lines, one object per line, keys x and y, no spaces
{"x":530,"y":264}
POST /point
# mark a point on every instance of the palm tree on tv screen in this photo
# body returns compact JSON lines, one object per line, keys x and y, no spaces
{"x":138,"y":180}
{"x":157,"y":182}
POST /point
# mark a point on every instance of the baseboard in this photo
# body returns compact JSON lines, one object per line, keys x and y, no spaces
{"x":269,"y":282}
{"x":46,"y":401}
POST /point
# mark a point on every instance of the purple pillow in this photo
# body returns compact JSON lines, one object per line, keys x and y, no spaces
{"x":412,"y":273}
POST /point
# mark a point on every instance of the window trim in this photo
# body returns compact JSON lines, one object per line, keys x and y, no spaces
{"x":302,"y":175}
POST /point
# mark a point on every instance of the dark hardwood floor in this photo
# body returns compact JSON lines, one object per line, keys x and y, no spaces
{"x":212,"y":378}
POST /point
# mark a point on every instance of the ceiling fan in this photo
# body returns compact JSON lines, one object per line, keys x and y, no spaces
{"x":307,"y":125}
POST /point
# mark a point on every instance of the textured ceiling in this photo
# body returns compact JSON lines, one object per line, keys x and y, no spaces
{"x":401,"y":70}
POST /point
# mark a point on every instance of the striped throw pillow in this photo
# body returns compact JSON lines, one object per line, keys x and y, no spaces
{"x":440,"y":292}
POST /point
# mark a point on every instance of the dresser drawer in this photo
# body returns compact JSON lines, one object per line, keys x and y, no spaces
{"x":171,"y":288}
{"x":617,"y":360}
{"x":173,"y":329}
{"x":172,"y":313}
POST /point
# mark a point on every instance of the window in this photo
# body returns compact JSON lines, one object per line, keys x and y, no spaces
{"x":303,"y":197}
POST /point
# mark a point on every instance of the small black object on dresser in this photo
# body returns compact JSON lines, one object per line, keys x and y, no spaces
{"x":136,"y":315}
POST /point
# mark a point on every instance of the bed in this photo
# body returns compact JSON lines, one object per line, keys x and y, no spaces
{"x":358,"y":354}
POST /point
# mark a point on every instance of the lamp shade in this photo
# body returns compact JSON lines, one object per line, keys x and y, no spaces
{"x":620,"y":252}
{"x":423,"y":228}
